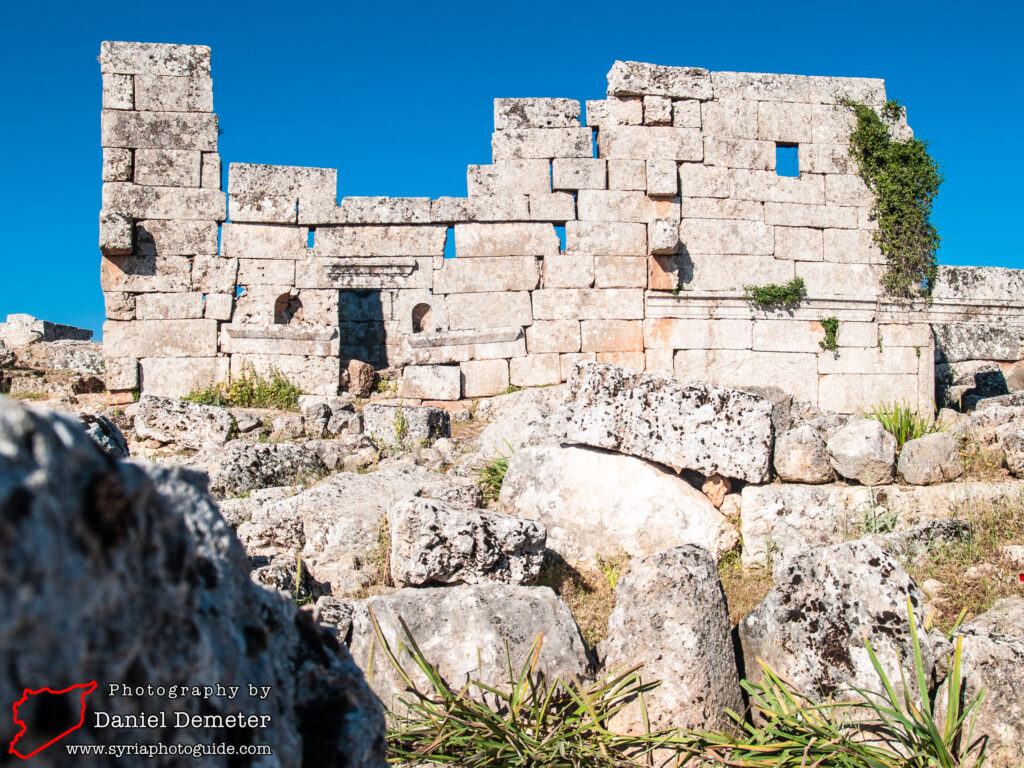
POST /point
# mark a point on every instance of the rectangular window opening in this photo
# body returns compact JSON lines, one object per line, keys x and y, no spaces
{"x":787,"y":159}
{"x":593,"y":138}
{"x":449,"y":243}
{"x":311,"y":237}
{"x":218,"y":237}
{"x":560,"y":231}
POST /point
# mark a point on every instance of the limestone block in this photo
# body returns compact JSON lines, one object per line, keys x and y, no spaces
{"x":219,"y":306}
{"x":761,"y":86}
{"x":697,"y":333}
{"x":405,"y":308}
{"x":977,"y":341}
{"x":121,"y":373}
{"x":418,"y":240}
{"x":484,"y":378}
{"x":800,"y":243}
{"x":730,"y":273}
{"x":767,"y":186}
{"x":168,"y":167}
{"x":314,"y":375}
{"x":169,"y":306}
{"x":579,"y":173}
{"x":851,"y":281}
{"x":503,"y":273}
{"x":269,"y":209}
{"x":177,"y":376}
{"x":553,"y":336}
{"x":266,"y":272}
{"x":631,"y":361}
{"x":606,"y":238}
{"x":795,"y":374}
{"x":116,"y":233}
{"x":739,"y":153}
{"x":664,"y":272}
{"x":826,"y":158}
{"x":829,"y":90}
{"x":626,"y":142}
{"x":488,"y":310}
{"x":905,"y":335}
{"x":851,"y":334}
{"x":509,"y":177}
{"x":158,"y":93}
{"x":641,"y":79}
{"x":366,"y":273}
{"x":154,"y":59}
{"x":430,"y":382}
{"x":534,"y":370}
{"x":662,"y":177}
{"x":118,"y":92}
{"x":263,"y":241}
{"x":611,"y":336}
{"x":535,"y":113}
{"x":480,"y":208}
{"x":663,"y":236}
{"x":686,"y":113}
{"x":863,"y":451}
{"x":721,"y":208}
{"x":798,"y":215}
{"x":698,"y":180}
{"x":856,"y":393}
{"x":868,"y":360}
{"x":851,"y":246}
{"x":832,"y":124}
{"x":557,"y":207}
{"x":164,"y":202}
{"x":614,"y":205}
{"x":979,"y":283}
{"x":588,"y":304}
{"x":366,"y":210}
{"x":175,"y":238}
{"x":789,"y":336}
{"x":545,"y":143}
{"x":658,"y":362}
{"x":615,"y":110}
{"x":657,"y":110}
{"x":568,"y":270}
{"x":729,"y":118}
{"x":213,"y":274}
{"x":163,"y":338}
{"x":158,"y":130}
{"x":627,"y":174}
{"x":711,"y":236}
{"x":618,"y":272}
{"x":119,"y":305}
{"x":800,"y":457}
{"x":388,"y":424}
{"x":787,"y":122}
{"x":145,"y":274}
{"x":117,"y":164}
{"x":248,"y":180}
{"x":933,"y":458}
{"x":847,"y":189}
{"x":210,"y":173}
{"x":518,"y":239}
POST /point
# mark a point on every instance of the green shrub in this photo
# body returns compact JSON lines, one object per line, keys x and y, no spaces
{"x":831,"y":326}
{"x":905,"y":180}
{"x":775,"y":296}
{"x":902,"y":422}
{"x":251,"y":390}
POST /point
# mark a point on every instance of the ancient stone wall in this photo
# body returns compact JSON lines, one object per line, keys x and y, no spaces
{"x":668,"y":201}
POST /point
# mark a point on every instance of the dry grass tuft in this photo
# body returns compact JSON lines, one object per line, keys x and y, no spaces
{"x":588,"y":589}
{"x":744,"y":587}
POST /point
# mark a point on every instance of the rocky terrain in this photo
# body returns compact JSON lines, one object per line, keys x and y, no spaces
{"x":625,"y":516}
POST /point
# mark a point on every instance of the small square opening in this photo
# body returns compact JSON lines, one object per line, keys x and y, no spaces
{"x":449,"y":243}
{"x":787,"y":160}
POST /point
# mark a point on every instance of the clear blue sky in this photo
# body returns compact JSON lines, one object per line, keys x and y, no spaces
{"x":398,"y":95}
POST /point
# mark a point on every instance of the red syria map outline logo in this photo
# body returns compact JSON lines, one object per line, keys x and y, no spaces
{"x":86,"y":689}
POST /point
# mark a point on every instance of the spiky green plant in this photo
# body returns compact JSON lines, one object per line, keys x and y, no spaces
{"x":902,"y":422}
{"x":492,"y":474}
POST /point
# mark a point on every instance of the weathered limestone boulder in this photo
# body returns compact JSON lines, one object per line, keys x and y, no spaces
{"x":105,"y":434}
{"x":1013,"y":446}
{"x":801,"y":457}
{"x":597,"y":503}
{"x":863,"y":451}
{"x":125,"y":573}
{"x":329,"y":416}
{"x":692,"y":426}
{"x":670,"y":615}
{"x":928,"y":459}
{"x":812,"y":625}
{"x":434,"y":543}
{"x":85,"y":357}
{"x":188,"y":425}
{"x":524,"y":418}
{"x":360,"y":378}
{"x":464,"y":631}
{"x":992,"y":660}
{"x":241,"y":466}
{"x":404,"y":425}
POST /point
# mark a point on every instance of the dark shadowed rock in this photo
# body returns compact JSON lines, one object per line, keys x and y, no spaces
{"x":105,"y":433}
{"x":242,"y":466}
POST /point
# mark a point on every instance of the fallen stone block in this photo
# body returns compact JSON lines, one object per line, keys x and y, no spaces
{"x":397,"y":425}
{"x":863,"y":451}
{"x":933,"y":458}
{"x":188,"y":425}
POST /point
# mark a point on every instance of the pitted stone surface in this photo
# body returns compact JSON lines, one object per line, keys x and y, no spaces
{"x":188,"y":425}
{"x":693,"y":426}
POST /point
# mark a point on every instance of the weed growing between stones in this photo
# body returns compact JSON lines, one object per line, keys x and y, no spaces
{"x":902,"y":422}
{"x":775,"y":296}
{"x":831,"y":326}
{"x":536,"y":722}
{"x":491,"y":476}
{"x":744,"y":588}
{"x":251,"y":390}
{"x":905,"y":180}
{"x":587,"y":589}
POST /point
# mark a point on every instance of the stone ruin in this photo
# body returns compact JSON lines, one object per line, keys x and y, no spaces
{"x":626,"y":240}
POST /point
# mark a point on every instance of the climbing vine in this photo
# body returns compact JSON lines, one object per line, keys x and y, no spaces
{"x":904,"y":179}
